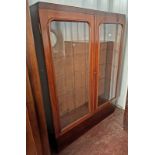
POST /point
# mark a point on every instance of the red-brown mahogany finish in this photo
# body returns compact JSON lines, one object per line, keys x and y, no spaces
{"x":33,"y":140}
{"x":36,"y":124}
{"x":46,"y":16}
{"x":108,"y":19}
{"x":42,"y":15}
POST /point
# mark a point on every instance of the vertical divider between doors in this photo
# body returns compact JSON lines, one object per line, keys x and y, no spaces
{"x":93,"y":62}
{"x":96,"y":55}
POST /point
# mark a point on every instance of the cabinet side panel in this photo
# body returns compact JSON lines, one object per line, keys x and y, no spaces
{"x":42,"y":70}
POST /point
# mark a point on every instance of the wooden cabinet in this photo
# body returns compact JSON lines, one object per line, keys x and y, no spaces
{"x":79,"y":55}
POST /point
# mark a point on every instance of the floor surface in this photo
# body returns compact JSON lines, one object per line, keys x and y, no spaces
{"x":109,"y":137}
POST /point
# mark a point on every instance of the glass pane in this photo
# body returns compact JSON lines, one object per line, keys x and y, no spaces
{"x":110,"y":36}
{"x":70,"y":54}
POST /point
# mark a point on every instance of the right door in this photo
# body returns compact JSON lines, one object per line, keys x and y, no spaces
{"x":109,"y":38}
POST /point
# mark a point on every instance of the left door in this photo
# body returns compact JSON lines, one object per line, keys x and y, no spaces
{"x":68,"y":49}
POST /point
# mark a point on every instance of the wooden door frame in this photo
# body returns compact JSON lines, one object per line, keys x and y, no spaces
{"x":46,"y":16}
{"x":108,"y":18}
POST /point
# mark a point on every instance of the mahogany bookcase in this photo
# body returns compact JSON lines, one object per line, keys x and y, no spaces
{"x":79,"y":55}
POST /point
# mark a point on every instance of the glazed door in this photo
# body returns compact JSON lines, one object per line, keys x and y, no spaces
{"x":109,"y":37}
{"x":68,"y":43}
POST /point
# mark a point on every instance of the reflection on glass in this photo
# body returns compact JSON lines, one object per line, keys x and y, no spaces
{"x":110,"y":36}
{"x":70,"y":54}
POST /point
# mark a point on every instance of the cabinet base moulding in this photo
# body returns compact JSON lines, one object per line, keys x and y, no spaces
{"x":64,"y":140}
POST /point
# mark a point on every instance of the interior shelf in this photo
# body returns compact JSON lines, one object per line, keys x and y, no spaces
{"x":73,"y":115}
